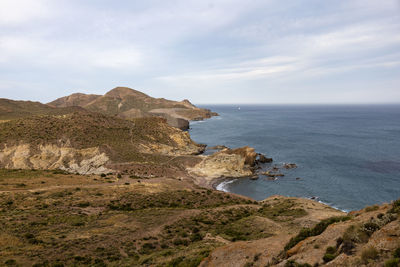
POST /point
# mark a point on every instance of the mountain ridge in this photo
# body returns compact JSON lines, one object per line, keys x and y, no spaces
{"x":129,"y":103}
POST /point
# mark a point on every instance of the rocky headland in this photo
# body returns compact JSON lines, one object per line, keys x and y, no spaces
{"x":128,"y":103}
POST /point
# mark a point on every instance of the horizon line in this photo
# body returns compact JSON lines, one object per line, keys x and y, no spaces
{"x":305,"y":104}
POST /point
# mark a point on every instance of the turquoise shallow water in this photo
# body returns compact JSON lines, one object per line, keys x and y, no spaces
{"x":347,"y":156}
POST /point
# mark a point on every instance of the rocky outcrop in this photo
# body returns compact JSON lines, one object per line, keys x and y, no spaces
{"x":225,"y":163}
{"x":289,"y":166}
{"x":183,"y":145}
{"x":50,"y":157}
{"x":263,"y":159}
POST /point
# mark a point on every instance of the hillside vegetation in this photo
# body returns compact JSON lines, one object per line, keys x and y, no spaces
{"x":11,"y":109}
{"x":50,"y":218}
{"x":87,"y":142}
{"x":128,"y":103}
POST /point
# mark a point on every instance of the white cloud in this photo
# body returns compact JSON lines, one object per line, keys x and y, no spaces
{"x":194,"y":46}
{"x":39,"y":53}
{"x":14,"y":12}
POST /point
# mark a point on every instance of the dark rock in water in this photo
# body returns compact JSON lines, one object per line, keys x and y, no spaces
{"x":270,"y":174}
{"x":263,"y":159}
{"x":298,"y":178}
{"x":289,"y":166}
{"x":255,"y":177}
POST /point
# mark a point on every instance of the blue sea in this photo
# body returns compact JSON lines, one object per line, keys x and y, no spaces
{"x":347,"y":156}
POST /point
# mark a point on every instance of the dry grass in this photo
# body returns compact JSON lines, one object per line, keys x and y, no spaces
{"x":70,"y":219}
{"x":120,"y":138}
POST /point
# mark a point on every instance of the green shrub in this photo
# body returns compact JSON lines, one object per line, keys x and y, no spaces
{"x":10,"y":262}
{"x":372,"y":208}
{"x":392,"y":263}
{"x":328,"y":257}
{"x":196,"y":237}
{"x":395,"y":207}
{"x":330,"y":250}
{"x":369,"y":254}
{"x":147,"y":248}
{"x":316,"y":230}
{"x":84,"y":204}
{"x":339,"y":241}
{"x":83,"y":259}
{"x":176,"y":261}
{"x":292,"y":263}
{"x":347,"y":247}
{"x":355,"y":234}
{"x":370,"y":227}
{"x":396,"y":253}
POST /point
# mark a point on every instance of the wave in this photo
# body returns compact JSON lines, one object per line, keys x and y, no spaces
{"x":223,"y":184}
{"x":332,"y":206}
{"x":223,"y":187}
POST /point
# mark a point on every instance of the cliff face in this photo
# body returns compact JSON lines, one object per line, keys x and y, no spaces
{"x":51,"y":157}
{"x":85,"y":142}
{"x":128,"y":103}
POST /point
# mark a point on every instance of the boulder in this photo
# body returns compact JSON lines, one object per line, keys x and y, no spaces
{"x":289,"y":166}
{"x":271,"y":174}
{"x":263,"y":159}
{"x":248,"y":153}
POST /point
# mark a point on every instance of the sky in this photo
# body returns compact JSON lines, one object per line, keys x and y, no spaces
{"x":223,"y":51}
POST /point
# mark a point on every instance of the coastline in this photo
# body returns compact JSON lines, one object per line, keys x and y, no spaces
{"x":220,"y":185}
{"x":340,"y":176}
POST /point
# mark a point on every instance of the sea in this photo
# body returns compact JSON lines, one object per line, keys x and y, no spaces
{"x":347,"y":156}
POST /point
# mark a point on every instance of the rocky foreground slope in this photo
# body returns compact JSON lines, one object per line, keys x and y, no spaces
{"x":51,"y":218}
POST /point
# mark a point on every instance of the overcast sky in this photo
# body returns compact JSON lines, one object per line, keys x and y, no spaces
{"x":227,"y":51}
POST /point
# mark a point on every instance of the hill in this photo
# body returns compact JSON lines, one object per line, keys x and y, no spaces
{"x":88,"y":142}
{"x":50,"y":218}
{"x":11,"y":109}
{"x":128,"y":103}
